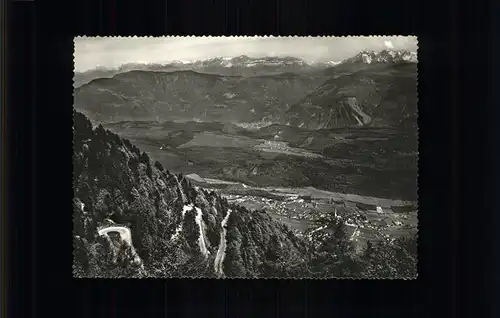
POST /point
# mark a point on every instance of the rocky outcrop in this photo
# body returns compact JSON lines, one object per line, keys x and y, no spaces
{"x":379,"y":95}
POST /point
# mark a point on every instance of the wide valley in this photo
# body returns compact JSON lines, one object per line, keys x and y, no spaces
{"x":366,"y":175}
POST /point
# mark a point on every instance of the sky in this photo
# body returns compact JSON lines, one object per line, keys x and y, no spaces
{"x":110,"y":52}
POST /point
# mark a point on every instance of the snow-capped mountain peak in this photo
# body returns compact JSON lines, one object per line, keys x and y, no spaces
{"x":385,"y":56}
{"x":246,"y":61}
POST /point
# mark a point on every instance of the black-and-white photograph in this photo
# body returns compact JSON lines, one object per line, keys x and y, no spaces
{"x":245,"y":157}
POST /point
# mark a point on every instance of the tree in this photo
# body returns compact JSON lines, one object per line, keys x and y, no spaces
{"x":127,"y":143}
{"x":103,"y":204}
{"x":331,"y":250}
{"x":80,"y":257}
{"x":386,"y":259}
{"x":149,"y":170}
{"x":233,"y":262}
{"x":144,"y":158}
{"x":158,"y":166}
{"x":82,"y":129}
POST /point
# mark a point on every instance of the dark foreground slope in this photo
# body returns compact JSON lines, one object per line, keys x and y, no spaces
{"x":116,"y":183}
{"x":180,"y":230}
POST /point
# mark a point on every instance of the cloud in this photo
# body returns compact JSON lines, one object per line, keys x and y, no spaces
{"x":388,"y":44}
{"x":92,"y":52}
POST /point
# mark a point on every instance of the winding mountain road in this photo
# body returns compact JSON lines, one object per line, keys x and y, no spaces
{"x":201,"y":238}
{"x":221,"y":252}
{"x":122,"y":230}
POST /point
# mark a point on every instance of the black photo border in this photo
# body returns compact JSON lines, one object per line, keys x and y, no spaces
{"x":456,"y":173}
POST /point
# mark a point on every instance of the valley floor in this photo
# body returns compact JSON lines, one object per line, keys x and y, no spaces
{"x":378,"y":162}
{"x":367,"y":218}
{"x":283,"y":174}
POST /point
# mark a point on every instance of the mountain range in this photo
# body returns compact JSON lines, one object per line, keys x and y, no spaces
{"x":370,"y":89}
{"x":381,"y":95}
{"x":385,"y":56}
{"x":229,"y":66}
{"x":244,"y":65}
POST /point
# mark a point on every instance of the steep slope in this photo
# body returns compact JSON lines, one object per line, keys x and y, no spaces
{"x":184,"y":95}
{"x":176,"y":229}
{"x":382,"y":94}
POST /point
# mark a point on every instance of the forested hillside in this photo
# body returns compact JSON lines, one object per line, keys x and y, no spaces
{"x":181,"y":230}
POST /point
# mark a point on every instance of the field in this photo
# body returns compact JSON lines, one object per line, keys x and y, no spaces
{"x":296,"y":175}
{"x":371,"y":162}
{"x":301,"y":208}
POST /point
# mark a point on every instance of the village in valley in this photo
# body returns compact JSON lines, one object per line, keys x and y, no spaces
{"x":366,"y":218}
